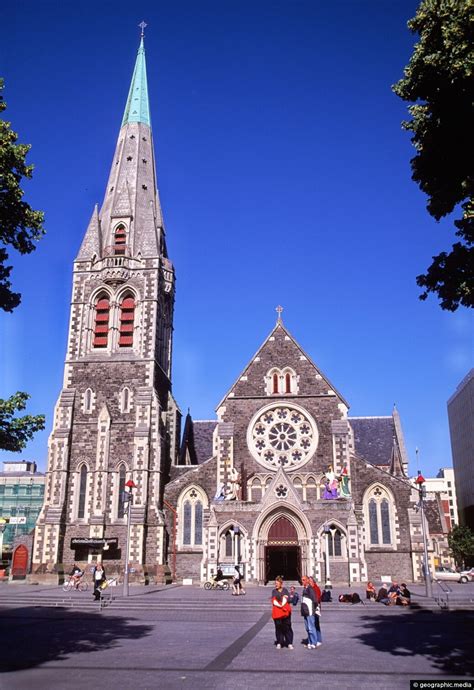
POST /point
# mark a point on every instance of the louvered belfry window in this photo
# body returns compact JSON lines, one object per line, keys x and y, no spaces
{"x":120,"y":241}
{"x":101,"y":325}
{"x":127,"y":317}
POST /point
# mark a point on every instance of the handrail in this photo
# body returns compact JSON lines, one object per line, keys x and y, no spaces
{"x":442,"y":601}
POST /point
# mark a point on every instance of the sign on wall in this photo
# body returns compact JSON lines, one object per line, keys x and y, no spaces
{"x":94,"y":543}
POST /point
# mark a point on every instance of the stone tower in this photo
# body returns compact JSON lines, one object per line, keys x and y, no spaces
{"x":115,"y":418}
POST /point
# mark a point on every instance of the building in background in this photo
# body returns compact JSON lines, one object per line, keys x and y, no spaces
{"x":461,"y":429}
{"x":21,"y":499}
{"x":444,"y":485}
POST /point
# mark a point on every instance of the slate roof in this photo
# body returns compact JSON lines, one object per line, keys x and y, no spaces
{"x":202,"y":431}
{"x":373,"y":438}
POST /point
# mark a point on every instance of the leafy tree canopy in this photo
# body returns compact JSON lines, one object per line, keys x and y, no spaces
{"x":15,"y":432}
{"x":439,"y":82}
{"x":20,"y":225}
{"x":461,"y":543}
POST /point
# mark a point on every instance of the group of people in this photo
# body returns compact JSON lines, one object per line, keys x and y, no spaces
{"x":394,"y":595}
{"x":98,"y":578}
{"x":283,"y":602}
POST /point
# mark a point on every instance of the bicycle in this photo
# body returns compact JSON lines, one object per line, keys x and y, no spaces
{"x":216,"y":584}
{"x":70,"y":585}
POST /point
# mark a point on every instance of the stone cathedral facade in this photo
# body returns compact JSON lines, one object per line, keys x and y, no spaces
{"x":283,"y":481}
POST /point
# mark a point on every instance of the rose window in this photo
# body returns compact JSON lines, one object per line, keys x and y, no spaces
{"x":282,"y":436}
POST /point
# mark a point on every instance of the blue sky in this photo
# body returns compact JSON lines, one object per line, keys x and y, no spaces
{"x":284,"y":178}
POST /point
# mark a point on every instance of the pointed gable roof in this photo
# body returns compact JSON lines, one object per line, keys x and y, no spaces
{"x":281,"y":488}
{"x":92,"y":242}
{"x":277,"y":330}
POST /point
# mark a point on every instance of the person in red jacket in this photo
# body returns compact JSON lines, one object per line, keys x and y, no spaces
{"x":317,"y":591}
{"x":281,"y":614}
{"x":317,"y":622}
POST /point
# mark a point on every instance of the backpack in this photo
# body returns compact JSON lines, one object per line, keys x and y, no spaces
{"x":326,"y":595}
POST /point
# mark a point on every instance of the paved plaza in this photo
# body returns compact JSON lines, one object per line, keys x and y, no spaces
{"x":184,"y":637}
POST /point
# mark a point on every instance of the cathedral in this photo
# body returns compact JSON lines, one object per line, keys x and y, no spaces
{"x":283,"y":481}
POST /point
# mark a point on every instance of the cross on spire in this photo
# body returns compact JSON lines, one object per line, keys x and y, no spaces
{"x":142,"y":26}
{"x":279,"y":310}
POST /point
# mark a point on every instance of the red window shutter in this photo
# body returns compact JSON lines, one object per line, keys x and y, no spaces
{"x":101,"y":325}
{"x":127,"y":318}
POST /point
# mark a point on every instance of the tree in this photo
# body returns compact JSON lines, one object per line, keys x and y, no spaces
{"x":461,"y":543}
{"x":20,"y":225}
{"x":439,"y":83}
{"x":15,"y":432}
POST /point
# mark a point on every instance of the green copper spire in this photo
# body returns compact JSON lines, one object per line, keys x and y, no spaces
{"x":138,"y":107}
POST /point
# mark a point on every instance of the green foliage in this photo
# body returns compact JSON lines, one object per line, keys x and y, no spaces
{"x":461,"y":543}
{"x":20,"y":226}
{"x":439,"y":82}
{"x":15,"y":432}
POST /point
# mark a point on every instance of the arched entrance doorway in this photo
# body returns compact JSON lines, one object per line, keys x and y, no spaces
{"x":20,"y":562}
{"x":282,"y":553}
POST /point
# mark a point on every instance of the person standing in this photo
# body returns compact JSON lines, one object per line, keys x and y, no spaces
{"x":237,"y":583}
{"x":98,"y":577}
{"x":281,"y":614}
{"x":308,"y":609}
{"x":317,"y":611}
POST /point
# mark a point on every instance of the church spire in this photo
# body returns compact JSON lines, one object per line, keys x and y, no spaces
{"x":131,"y":203}
{"x":137,"y":108}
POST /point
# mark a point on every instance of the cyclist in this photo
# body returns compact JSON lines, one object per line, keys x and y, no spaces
{"x":76,"y":575}
{"x":218,"y":576}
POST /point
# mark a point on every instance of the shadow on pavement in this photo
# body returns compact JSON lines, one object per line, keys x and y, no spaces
{"x":29,"y":637}
{"x":445,"y":638}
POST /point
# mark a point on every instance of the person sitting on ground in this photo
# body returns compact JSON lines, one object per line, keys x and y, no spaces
{"x":382,"y":596}
{"x":370,"y":591}
{"x":393,"y":593}
{"x":404,"y":597}
{"x":76,"y":574}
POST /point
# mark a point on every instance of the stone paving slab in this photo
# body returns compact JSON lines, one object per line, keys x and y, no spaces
{"x":363,"y":646}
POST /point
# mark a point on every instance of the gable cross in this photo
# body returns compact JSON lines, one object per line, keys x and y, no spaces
{"x":142,"y":26}
{"x":279,"y":310}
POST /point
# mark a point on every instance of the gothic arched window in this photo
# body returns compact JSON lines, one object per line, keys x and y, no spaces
{"x":101,"y":323}
{"x":276,"y":386}
{"x":120,"y":240}
{"x":281,"y":381}
{"x":81,"y":506}
{"x":122,"y":474}
{"x":125,"y":400}
{"x":187,"y":512}
{"x":127,"y":317}
{"x":190,"y":510}
{"x":379,"y":512}
{"x":88,"y":401}
{"x":229,"y":543}
{"x":335,"y":542}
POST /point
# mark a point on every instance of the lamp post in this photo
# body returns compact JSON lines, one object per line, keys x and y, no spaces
{"x":3,"y":526}
{"x":327,"y":532}
{"x":419,"y":481}
{"x":129,"y":486}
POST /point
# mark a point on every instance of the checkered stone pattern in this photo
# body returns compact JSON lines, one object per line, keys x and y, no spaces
{"x":144,"y":437}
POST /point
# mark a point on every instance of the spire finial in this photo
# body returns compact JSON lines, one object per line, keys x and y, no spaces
{"x":142,"y":26}
{"x":279,"y":310}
